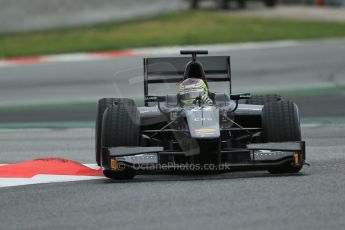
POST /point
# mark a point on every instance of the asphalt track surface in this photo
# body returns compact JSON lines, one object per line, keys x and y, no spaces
{"x":312,"y":199}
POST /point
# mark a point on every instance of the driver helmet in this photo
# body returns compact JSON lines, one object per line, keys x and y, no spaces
{"x":190,"y":89}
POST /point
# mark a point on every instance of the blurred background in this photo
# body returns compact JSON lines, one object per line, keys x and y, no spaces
{"x":28,"y":15}
{"x":58,"y":57}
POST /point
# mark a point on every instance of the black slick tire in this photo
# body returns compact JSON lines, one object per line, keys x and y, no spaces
{"x":120,"y":127}
{"x":280,"y":123}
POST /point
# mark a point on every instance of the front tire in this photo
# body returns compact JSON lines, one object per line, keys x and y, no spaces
{"x":280,"y":123}
{"x":103,"y":104}
{"x":121,"y":127}
{"x":125,"y":174}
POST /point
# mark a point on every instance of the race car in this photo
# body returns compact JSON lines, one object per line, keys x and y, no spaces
{"x":233,"y":132}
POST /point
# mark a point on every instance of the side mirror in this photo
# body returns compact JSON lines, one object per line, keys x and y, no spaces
{"x":240,"y":96}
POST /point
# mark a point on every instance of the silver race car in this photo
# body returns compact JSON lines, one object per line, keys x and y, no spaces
{"x":233,"y":132}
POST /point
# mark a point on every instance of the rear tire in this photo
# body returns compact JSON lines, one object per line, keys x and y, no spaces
{"x":263,"y":99}
{"x":103,"y":104}
{"x":121,"y":127}
{"x":280,"y":123}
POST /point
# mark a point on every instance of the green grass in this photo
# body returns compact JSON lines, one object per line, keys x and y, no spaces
{"x":191,"y":27}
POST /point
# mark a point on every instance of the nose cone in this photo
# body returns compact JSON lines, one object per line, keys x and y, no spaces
{"x":203,"y":122}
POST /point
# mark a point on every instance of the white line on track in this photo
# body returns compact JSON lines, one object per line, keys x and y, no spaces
{"x":44,"y":178}
{"x":161,"y":51}
{"x":218,"y":47}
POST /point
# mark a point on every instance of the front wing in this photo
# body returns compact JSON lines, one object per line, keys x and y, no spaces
{"x":259,"y":156}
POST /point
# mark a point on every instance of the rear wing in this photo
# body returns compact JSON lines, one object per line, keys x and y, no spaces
{"x":171,"y":70}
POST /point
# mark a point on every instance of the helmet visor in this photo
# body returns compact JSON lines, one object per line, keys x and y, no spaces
{"x":191,"y":95}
